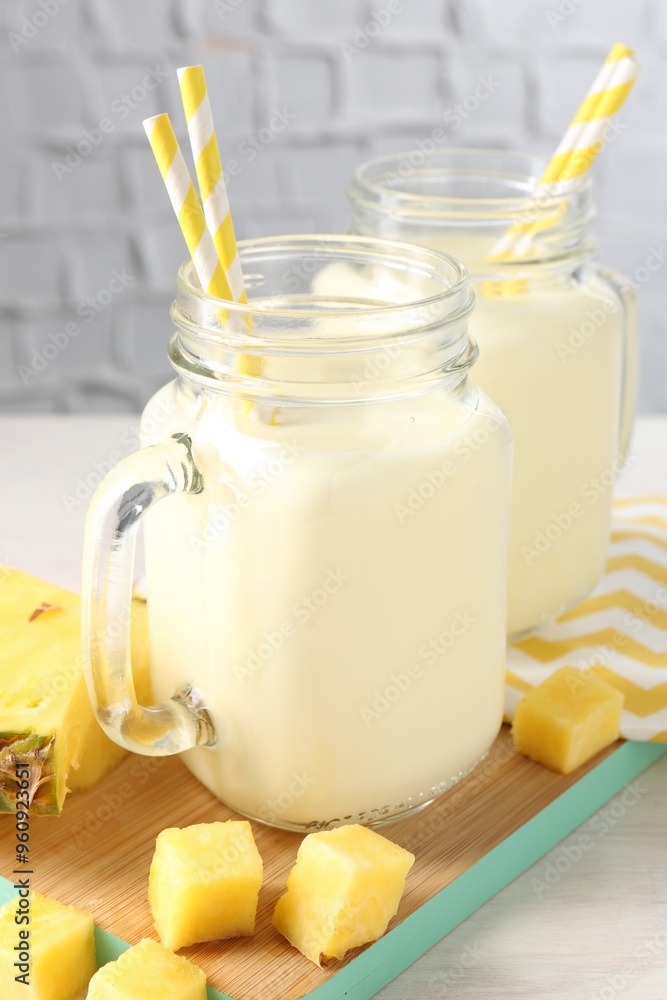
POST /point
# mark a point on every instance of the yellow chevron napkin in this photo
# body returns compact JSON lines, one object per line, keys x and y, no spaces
{"x":620,"y":631}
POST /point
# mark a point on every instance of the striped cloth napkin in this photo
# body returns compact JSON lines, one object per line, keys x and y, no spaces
{"x":620,"y":630}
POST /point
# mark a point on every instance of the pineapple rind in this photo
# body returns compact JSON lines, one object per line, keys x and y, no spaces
{"x":342,"y":892}
{"x":567,"y":719}
{"x":17,"y":749}
{"x":148,"y":971}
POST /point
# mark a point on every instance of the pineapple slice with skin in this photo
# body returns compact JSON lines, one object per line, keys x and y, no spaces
{"x":148,"y":971}
{"x":60,"y":951}
{"x":46,"y":721}
{"x":342,"y":892}
{"x":204,"y":883}
{"x":567,"y":719}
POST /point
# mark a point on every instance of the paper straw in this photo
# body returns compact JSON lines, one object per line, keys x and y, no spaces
{"x":578,"y":148}
{"x":186,"y":205}
{"x":584,"y":138}
{"x":191,"y":218}
{"x":210,"y":176}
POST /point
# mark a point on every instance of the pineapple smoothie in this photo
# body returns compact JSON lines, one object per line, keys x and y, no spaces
{"x":561,"y":392}
{"x":325,"y":498}
{"x":340,"y":606}
{"x":551,"y":356}
{"x":557,"y":350}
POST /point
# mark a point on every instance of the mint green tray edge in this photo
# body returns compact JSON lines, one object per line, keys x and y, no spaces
{"x":361,"y":978}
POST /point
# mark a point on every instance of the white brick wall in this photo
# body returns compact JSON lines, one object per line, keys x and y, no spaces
{"x":60,"y":238}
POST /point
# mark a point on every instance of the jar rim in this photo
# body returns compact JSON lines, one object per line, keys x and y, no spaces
{"x":332,"y":316}
{"x":439,"y":267}
{"x":519,"y":172}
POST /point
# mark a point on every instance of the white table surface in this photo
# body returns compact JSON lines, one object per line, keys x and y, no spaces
{"x":598,"y":933}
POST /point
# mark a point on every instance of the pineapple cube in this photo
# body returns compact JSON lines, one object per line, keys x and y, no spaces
{"x":567,"y":719}
{"x":204,"y":883}
{"x":342,"y":892}
{"x":148,"y":971}
{"x":46,"y":721}
{"x":59,"y":949}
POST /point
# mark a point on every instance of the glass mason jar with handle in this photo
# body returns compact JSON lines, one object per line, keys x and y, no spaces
{"x":557,"y":340}
{"x":327,"y":573}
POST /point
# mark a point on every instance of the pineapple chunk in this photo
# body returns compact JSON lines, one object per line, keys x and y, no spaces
{"x":342,"y":892}
{"x":204,"y":883}
{"x":46,"y":721}
{"x":148,"y":972}
{"x":567,"y":719}
{"x":61,"y":951}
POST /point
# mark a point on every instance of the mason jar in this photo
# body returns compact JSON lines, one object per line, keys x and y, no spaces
{"x":557,"y":341}
{"x":326,"y":576}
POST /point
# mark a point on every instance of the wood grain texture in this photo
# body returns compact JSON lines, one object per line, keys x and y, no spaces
{"x":97,"y":855}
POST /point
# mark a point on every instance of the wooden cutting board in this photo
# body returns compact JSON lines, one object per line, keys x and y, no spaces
{"x":470,"y":843}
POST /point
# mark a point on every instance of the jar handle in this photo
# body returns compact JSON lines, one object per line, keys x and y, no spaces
{"x":626,"y":293}
{"x":116,"y":510}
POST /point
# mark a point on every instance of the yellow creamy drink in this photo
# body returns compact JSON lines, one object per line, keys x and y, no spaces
{"x":333,"y":591}
{"x":556,"y":339}
{"x":351,"y":642}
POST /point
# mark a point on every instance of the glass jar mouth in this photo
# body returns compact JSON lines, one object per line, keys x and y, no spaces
{"x":463,"y":184}
{"x":427,"y":286}
{"x":322,"y":311}
{"x":469,"y":200}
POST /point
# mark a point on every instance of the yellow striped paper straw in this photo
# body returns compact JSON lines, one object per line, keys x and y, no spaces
{"x":186,"y":205}
{"x":210,"y":176}
{"x":579,"y":146}
{"x":210,"y":271}
{"x":584,"y":138}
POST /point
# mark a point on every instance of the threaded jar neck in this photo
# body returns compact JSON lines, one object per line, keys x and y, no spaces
{"x":465,"y":201}
{"x":329,"y":319}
